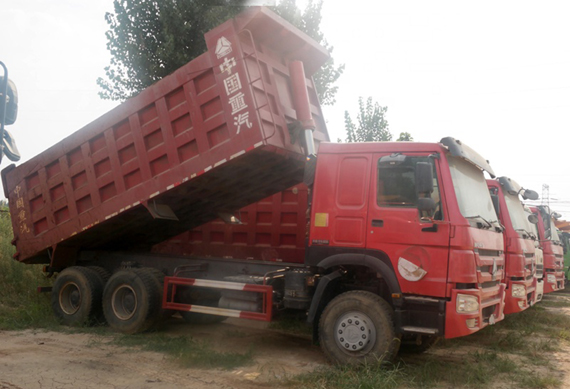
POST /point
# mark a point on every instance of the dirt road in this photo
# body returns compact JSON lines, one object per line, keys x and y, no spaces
{"x":63,"y":360}
{"x":41,"y":360}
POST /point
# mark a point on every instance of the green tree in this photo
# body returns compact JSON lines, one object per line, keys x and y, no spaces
{"x":405,"y":137}
{"x":149,"y":39}
{"x":372,"y":125}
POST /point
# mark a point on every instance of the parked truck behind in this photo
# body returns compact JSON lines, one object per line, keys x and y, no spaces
{"x":519,"y":243}
{"x":403,"y":245}
{"x":552,"y":249}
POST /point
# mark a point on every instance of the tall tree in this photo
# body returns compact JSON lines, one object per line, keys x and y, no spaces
{"x":372,"y":125}
{"x":149,"y":39}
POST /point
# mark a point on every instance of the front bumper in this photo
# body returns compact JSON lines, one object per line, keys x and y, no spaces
{"x":491,"y":310}
{"x":518,"y":304}
{"x":553,"y":281}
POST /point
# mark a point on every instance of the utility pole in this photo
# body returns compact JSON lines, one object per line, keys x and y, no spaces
{"x":545,"y":194}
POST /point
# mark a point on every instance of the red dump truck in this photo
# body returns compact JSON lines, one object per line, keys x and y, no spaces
{"x":552,"y":250}
{"x":397,"y":253}
{"x":520,"y":267}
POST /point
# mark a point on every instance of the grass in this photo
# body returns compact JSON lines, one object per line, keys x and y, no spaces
{"x":20,"y":305}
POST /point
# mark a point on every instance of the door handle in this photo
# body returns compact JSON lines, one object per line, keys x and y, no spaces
{"x":433,"y":228}
{"x":377,"y":223}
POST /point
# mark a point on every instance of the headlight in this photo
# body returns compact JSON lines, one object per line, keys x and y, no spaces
{"x":518,"y":290}
{"x":467,"y":304}
{"x":551,"y":278}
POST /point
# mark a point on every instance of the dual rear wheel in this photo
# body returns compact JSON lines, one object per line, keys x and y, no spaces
{"x":129,"y":300}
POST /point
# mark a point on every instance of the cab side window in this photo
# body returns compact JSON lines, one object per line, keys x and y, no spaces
{"x":397,"y":184}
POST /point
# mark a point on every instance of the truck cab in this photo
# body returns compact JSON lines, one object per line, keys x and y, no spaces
{"x":433,"y":251}
{"x":551,"y":248}
{"x":519,"y":243}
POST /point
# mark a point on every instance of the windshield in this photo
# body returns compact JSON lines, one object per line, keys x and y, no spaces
{"x":549,"y":228}
{"x":518,"y":216}
{"x":471,"y":190}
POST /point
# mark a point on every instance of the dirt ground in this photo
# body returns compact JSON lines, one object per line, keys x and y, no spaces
{"x":45,"y":360}
{"x":41,"y":360}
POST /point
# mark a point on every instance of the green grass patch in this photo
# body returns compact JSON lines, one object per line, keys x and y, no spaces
{"x":185,"y":351}
{"x":21,"y":306}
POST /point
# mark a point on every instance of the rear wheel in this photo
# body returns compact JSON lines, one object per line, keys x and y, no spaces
{"x":76,"y":296}
{"x":131,"y":301}
{"x":357,"y":327}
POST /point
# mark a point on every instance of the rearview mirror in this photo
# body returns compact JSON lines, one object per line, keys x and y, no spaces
{"x":529,"y":195}
{"x":426,"y":204}
{"x":533,"y":219}
{"x":10,"y":101}
{"x":424,"y":177}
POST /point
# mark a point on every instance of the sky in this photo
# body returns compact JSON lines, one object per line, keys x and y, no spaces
{"x":494,"y":74}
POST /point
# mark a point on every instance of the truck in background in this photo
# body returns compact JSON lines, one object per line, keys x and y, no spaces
{"x":551,"y":248}
{"x":398,"y":252}
{"x":519,"y":242}
{"x":539,"y":273}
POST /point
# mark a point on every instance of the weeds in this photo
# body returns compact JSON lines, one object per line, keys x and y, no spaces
{"x":21,"y":306}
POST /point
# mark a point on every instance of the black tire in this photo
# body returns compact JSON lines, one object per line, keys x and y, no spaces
{"x":131,"y":301}
{"x":76,"y":296}
{"x":357,"y":327}
{"x":410,"y":345}
{"x":102,"y":273}
{"x":159,"y":279}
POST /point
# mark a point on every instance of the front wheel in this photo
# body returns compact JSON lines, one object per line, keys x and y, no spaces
{"x":357,"y":327}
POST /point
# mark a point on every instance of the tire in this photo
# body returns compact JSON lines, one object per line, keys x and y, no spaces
{"x":159,"y":279}
{"x":76,"y":296}
{"x":131,"y":301}
{"x":357,"y":327}
{"x":102,"y":273}
{"x":410,"y":345}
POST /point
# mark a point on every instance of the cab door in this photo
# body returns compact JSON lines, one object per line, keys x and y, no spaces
{"x":417,"y":243}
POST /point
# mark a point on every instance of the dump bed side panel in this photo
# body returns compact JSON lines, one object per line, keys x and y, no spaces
{"x":211,"y":137}
{"x":274,"y":229}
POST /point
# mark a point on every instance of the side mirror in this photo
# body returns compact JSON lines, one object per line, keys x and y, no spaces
{"x":426,"y":204}
{"x":424,"y":177}
{"x":529,"y":195}
{"x":10,"y":101}
{"x":532,"y":218}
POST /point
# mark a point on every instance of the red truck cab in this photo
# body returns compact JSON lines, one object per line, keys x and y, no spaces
{"x":519,"y":243}
{"x":552,"y":250}
{"x":440,"y":267}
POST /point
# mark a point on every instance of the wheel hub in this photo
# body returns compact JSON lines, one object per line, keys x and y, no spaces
{"x":353,"y":331}
{"x":70,"y":298}
{"x":124,"y":302}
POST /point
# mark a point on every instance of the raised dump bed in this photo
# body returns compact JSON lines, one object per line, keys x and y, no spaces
{"x":273,"y":229}
{"x":212,"y":137}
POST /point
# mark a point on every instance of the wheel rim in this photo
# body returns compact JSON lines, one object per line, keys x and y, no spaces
{"x":355,"y":333}
{"x":124,"y":302}
{"x":70,"y":298}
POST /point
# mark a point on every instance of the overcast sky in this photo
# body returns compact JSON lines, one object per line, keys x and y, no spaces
{"x":494,"y":74}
